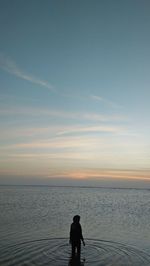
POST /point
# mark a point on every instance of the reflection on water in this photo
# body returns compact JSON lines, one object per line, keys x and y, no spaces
{"x":76,"y":262}
{"x":56,"y":252}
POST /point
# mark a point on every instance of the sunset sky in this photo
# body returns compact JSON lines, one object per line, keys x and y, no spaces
{"x":75,"y":92}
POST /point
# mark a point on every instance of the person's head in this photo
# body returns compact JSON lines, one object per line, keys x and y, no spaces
{"x":76,"y":219}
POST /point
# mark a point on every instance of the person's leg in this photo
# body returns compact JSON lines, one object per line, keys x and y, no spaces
{"x":73,"y":250}
{"x":79,"y":249}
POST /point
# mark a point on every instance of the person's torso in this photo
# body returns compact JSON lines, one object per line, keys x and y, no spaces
{"x":75,"y":232}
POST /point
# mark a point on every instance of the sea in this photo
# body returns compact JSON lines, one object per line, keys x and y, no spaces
{"x":35,"y":225}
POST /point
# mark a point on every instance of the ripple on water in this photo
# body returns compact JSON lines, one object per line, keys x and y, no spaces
{"x":56,"y":252}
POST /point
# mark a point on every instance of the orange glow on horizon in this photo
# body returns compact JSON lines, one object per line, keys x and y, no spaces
{"x":81,"y":174}
{"x":110,"y":174}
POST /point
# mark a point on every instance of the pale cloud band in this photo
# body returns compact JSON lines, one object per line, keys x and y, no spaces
{"x":91,"y":116}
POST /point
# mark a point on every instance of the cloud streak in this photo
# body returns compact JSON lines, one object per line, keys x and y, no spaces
{"x":91,"y":129}
{"x":58,"y":143}
{"x":55,"y":130}
{"x":30,"y":111}
{"x":105,"y":101}
{"x":10,"y":66}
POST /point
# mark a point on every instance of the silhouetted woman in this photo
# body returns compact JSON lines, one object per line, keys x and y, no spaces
{"x":76,"y":236}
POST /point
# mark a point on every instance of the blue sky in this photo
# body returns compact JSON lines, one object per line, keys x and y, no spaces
{"x":74,"y":92}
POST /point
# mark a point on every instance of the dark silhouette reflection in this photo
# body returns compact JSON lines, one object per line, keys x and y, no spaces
{"x":76,"y":262}
{"x":76,"y":237}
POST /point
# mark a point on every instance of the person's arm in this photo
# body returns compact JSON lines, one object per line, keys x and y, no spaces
{"x":83,"y":242}
{"x":70,"y":239}
{"x":81,"y":236}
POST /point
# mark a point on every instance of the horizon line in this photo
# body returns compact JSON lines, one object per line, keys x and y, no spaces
{"x":69,"y":186}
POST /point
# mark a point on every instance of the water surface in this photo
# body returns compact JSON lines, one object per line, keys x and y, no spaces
{"x":35,"y":223}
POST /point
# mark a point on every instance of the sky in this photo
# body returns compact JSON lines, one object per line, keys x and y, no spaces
{"x":74,"y":92}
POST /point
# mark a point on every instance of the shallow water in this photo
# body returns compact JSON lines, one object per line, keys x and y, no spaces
{"x":57,"y":252}
{"x":35,"y":222}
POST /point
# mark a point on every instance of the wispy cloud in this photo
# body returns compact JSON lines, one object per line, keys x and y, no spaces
{"x":105,"y":101}
{"x":81,"y":143}
{"x":30,"y":111}
{"x":58,"y":143}
{"x":10,"y":66}
{"x":8,"y":132}
{"x":90,"y":129}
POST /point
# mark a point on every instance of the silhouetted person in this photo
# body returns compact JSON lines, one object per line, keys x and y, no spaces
{"x":76,"y":236}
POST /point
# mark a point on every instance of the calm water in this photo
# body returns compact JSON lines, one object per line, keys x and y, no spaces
{"x":35,"y":223}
